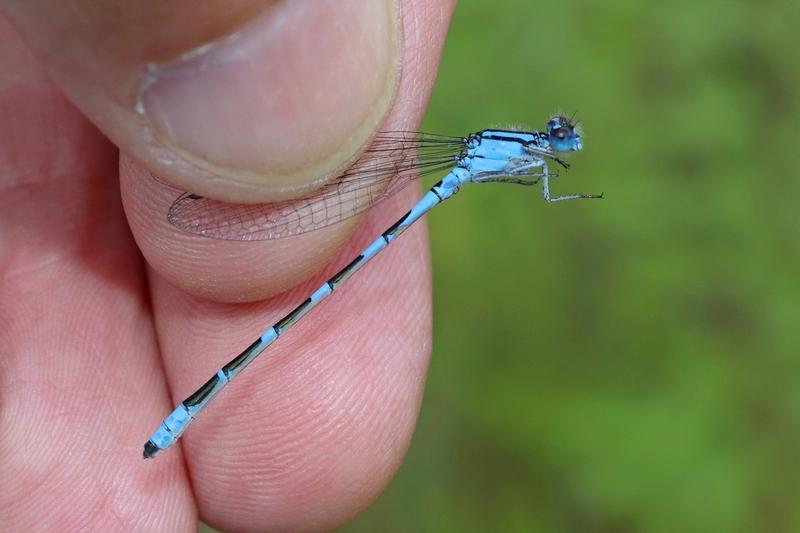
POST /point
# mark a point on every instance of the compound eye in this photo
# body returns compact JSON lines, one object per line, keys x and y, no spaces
{"x":561,"y":133}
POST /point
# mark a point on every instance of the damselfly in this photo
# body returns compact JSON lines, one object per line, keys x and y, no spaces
{"x":393,"y":160}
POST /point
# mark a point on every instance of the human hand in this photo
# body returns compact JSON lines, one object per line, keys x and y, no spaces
{"x":98,"y":347}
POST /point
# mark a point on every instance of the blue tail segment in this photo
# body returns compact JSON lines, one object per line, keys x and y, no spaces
{"x":178,"y":421}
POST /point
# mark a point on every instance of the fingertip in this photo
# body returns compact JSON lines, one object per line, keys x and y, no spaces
{"x":316,"y":427}
{"x":288,"y":106}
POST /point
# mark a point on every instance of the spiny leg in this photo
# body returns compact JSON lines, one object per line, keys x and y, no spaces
{"x":546,"y":190}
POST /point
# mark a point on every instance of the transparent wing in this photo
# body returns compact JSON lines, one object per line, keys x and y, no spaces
{"x":392,"y":161}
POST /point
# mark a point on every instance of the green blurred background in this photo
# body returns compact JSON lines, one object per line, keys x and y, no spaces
{"x":631,"y":364}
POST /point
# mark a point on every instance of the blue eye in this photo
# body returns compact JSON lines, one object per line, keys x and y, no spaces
{"x":562,"y":134}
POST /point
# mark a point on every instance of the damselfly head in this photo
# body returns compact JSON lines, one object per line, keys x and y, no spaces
{"x":564,"y":134}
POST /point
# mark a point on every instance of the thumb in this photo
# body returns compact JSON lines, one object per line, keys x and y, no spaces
{"x":243,"y":101}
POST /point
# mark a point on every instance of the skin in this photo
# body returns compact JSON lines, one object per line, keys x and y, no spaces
{"x":99,"y":344}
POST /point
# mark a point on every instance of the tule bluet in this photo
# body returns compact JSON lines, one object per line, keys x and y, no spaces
{"x":392,"y":161}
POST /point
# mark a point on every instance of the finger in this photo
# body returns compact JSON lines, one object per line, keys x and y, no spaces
{"x":79,"y":368}
{"x":233,"y":271}
{"x":313,"y":431}
{"x":246,"y":100}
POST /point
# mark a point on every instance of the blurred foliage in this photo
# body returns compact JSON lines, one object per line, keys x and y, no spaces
{"x":631,"y":364}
